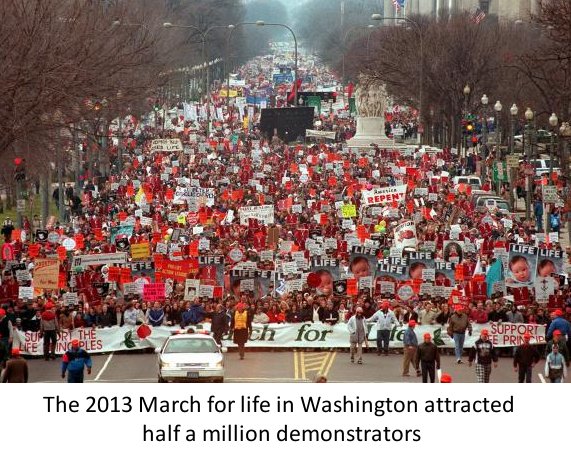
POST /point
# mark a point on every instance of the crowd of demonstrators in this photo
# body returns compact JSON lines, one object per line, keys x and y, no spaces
{"x":187,"y":204}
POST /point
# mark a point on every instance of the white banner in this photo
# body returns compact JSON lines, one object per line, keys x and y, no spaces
{"x":99,"y":259}
{"x":320,"y":134}
{"x":200,"y":195}
{"x":263,"y":213}
{"x":166,"y":145}
{"x":384,"y":195}
{"x":304,"y":335}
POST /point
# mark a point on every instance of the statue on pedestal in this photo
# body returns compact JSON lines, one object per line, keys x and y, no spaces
{"x":370,"y":98}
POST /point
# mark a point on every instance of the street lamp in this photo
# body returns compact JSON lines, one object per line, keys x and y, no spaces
{"x":464,"y":145}
{"x":343,"y":48}
{"x":498,"y":108}
{"x":512,"y":171}
{"x":565,"y":136}
{"x":295,"y":69}
{"x":205,"y":59}
{"x":418,"y":29}
{"x":553,"y":121}
{"x":484,"y":147}
{"x":528,"y":119}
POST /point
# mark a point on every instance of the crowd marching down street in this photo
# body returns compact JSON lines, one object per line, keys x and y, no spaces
{"x":270,"y":243}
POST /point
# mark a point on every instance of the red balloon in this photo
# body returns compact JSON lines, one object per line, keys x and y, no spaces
{"x":313,"y":280}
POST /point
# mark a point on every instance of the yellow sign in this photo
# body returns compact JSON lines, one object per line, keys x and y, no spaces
{"x":349,"y":211}
{"x":140,"y":250}
{"x":223,"y":93}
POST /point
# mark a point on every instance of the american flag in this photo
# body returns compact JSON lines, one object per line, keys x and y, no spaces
{"x":478,"y":16}
{"x":398,"y":4}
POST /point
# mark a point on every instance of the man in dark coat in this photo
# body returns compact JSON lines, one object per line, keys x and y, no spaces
{"x":219,"y":324}
{"x":427,"y":357}
{"x":16,"y":368}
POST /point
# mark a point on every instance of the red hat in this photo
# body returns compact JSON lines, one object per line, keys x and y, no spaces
{"x":427,"y":336}
{"x":527,"y":336}
{"x":445,"y":378}
{"x":75,"y":343}
{"x":557,"y":332}
{"x":15,"y":352}
{"x":484,"y":332}
{"x":558,"y":313}
{"x":2,"y":312}
{"x":412,"y":323}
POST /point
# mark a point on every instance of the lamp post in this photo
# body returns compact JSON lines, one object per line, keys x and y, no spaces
{"x":343,"y":50}
{"x":418,"y":29}
{"x":484,"y":146}
{"x":498,"y":109}
{"x":565,"y":135}
{"x":295,"y":68}
{"x":466,"y":91}
{"x":512,"y":171}
{"x":205,"y":60}
{"x":528,"y":120}
{"x":233,"y":27}
{"x":553,"y":122}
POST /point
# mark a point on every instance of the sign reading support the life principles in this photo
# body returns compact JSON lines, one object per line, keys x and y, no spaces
{"x":300,"y":335}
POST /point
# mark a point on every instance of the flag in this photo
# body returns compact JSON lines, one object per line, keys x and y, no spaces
{"x":290,"y":98}
{"x":350,"y":88}
{"x":398,"y":4}
{"x":495,"y":273}
{"x":478,"y":16}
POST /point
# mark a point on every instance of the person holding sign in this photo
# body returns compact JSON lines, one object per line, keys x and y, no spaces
{"x":241,"y":326}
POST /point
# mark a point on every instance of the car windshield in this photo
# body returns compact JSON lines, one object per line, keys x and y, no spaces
{"x":190,"y":345}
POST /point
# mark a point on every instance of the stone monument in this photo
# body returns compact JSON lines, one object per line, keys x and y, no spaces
{"x":371,"y":103}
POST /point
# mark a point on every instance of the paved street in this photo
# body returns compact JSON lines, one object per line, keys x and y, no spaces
{"x":278,"y":366}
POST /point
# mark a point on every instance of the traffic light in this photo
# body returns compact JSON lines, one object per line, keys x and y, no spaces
{"x":19,"y":169}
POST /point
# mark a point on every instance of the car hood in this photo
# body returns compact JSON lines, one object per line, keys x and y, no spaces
{"x":191,"y":358}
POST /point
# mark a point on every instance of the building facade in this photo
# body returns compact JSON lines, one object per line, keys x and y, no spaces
{"x":504,"y":10}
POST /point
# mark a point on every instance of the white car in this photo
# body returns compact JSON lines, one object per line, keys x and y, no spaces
{"x":191,"y":357}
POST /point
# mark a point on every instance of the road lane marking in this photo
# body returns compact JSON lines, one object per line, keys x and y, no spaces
{"x":307,"y":364}
{"x":332,"y":359}
{"x":295,"y":365}
{"x":105,"y":365}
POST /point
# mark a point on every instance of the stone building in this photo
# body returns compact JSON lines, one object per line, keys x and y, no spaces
{"x":504,"y":10}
